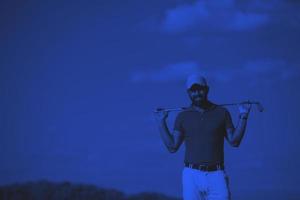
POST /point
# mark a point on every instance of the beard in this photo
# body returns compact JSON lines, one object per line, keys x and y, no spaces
{"x":198,"y":100}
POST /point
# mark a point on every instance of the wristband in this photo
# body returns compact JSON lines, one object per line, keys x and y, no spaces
{"x":244,"y":116}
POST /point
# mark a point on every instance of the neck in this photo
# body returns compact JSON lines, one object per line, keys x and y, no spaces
{"x":201,"y":105}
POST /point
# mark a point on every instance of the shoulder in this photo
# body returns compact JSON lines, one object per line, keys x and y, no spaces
{"x":223,"y":109}
{"x":220,"y":110}
{"x":183,"y":114}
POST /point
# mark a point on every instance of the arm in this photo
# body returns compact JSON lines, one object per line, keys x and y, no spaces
{"x":235,"y":135}
{"x":172,"y":141}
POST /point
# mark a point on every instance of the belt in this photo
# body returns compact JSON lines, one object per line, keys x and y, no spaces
{"x":215,"y":167}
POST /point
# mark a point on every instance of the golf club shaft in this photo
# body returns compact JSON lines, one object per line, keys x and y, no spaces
{"x":259,"y":106}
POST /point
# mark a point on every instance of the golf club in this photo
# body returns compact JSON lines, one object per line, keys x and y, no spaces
{"x":259,"y":107}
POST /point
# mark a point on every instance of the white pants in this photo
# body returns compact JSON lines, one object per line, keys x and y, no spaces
{"x":203,"y":185}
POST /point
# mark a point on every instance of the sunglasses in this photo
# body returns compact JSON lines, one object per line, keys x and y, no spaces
{"x":197,"y":87}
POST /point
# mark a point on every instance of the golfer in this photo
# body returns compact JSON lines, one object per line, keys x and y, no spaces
{"x":203,"y":127}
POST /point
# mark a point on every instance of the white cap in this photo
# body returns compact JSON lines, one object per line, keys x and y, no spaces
{"x":195,"y":79}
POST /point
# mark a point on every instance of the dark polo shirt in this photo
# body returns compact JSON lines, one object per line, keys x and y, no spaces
{"x":204,"y":133}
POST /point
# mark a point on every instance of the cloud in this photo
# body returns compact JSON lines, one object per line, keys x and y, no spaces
{"x":271,"y":69}
{"x":184,"y":17}
{"x":246,"y":21}
{"x":221,"y":15}
{"x":170,"y":72}
{"x":266,"y":71}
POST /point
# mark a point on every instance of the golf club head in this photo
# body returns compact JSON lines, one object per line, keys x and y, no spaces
{"x":259,"y":107}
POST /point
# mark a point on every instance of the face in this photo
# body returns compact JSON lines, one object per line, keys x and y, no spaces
{"x":198,"y":94}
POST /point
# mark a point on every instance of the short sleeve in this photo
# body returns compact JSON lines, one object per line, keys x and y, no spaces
{"x":178,"y":123}
{"x":228,"y":120}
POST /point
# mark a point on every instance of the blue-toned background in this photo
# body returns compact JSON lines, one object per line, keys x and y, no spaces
{"x":79,"y":81}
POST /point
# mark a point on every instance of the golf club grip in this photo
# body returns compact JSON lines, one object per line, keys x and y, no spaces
{"x":243,"y":102}
{"x":259,"y":107}
{"x":169,"y":109}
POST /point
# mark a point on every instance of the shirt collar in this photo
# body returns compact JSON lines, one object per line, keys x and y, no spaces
{"x":210,"y":106}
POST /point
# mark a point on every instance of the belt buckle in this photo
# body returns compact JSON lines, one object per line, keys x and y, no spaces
{"x":202,"y":167}
{"x":207,"y":167}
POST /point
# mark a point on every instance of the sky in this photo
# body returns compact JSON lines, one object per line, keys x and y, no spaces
{"x":79,"y":82}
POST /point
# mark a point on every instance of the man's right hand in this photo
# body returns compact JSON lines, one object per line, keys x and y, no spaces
{"x":161,"y":115}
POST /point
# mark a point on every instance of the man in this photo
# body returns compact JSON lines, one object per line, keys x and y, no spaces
{"x":203,"y":127}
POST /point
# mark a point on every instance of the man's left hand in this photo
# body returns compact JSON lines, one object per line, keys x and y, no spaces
{"x":245,"y":109}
